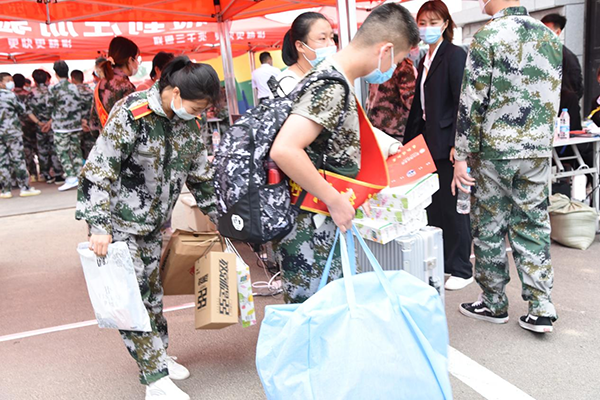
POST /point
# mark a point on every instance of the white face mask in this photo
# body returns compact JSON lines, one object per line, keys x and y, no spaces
{"x":181,"y":112}
{"x":10,"y":85}
{"x":482,"y":5}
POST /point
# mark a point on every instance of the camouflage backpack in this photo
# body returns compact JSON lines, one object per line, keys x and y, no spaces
{"x":249,"y":209}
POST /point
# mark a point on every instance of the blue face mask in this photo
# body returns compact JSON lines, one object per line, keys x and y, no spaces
{"x":322,"y":53}
{"x":377,"y":77}
{"x":10,"y":85}
{"x":430,"y":34}
{"x":181,"y":112}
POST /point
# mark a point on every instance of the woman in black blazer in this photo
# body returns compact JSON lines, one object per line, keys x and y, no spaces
{"x":433,"y":114}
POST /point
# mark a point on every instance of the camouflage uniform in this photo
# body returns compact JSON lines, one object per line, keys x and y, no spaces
{"x":67,"y":114}
{"x":389,"y":103}
{"x":87,"y":99}
{"x":29,"y":139}
{"x":110,"y":91}
{"x":38,"y":103}
{"x":509,"y":98}
{"x":303,"y":252}
{"x":12,"y":158}
{"x":128,"y":188}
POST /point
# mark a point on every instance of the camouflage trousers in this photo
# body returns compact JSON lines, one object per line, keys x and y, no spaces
{"x":511,"y":198}
{"x":302,"y":255}
{"x":68,"y":149}
{"x":87,"y":141}
{"x":30,"y":149}
{"x":12,"y":160}
{"x":47,"y":154}
{"x":148,"y":349}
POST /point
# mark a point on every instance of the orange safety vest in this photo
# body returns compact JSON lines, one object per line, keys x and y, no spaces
{"x":372,"y":177}
{"x":102,"y":113}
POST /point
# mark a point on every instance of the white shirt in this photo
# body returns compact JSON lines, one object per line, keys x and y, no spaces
{"x":287,"y":82}
{"x":260,"y":76}
{"x":426,"y":65}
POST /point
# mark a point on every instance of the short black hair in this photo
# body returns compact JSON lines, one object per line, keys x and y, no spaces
{"x":195,"y":81}
{"x":264,"y":57}
{"x":555,"y":19}
{"x":4,"y":75}
{"x":27,"y":81}
{"x":40,"y":76}
{"x":19,"y":80}
{"x":61,"y":68}
{"x":99,"y":61}
{"x":77,"y":75}
{"x":159,"y":61}
{"x":389,"y":22}
{"x":299,"y":31}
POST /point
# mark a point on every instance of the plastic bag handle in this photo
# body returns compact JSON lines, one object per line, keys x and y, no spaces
{"x":350,"y":294}
{"x":387,"y":286}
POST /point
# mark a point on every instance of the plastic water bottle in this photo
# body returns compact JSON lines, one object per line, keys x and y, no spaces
{"x":463,"y":200}
{"x":565,"y":124}
{"x":216,"y":139}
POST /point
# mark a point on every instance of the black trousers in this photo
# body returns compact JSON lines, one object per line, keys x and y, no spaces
{"x":457,"y":227}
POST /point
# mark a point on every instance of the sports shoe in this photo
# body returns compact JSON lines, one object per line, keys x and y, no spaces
{"x":456,"y":283}
{"x":165,"y":389}
{"x":33,"y":179}
{"x":536,"y":324}
{"x":5,"y":195}
{"x":478,"y":310}
{"x":29,"y":192}
{"x":70,"y":183}
{"x":59,"y":180}
{"x":176,"y":370}
{"x":49,"y":179}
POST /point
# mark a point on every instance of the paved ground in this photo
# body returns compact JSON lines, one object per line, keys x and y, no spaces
{"x":42,"y":286}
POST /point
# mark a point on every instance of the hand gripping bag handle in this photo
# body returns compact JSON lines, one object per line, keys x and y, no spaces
{"x":327,"y":268}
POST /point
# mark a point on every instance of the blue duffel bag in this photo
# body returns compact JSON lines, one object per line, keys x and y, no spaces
{"x":376,"y":335}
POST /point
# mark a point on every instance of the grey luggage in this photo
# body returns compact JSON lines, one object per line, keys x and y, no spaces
{"x":420,"y":254}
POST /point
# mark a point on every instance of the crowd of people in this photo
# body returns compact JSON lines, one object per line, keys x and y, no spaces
{"x":142,"y":146}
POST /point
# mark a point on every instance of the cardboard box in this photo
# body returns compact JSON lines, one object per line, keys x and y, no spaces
{"x":407,"y":197}
{"x":216,"y":291}
{"x":182,"y":252}
{"x":384,"y":232}
{"x":395,"y":215}
{"x":196,"y":220}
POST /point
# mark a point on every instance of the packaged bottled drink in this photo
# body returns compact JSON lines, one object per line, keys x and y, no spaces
{"x":273,"y":172}
{"x":565,"y":124}
{"x":463,"y":200}
{"x":216,"y":139}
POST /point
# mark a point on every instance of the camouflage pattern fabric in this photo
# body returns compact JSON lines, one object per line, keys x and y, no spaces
{"x":511,"y":197}
{"x":86,"y":95}
{"x":29,"y":128}
{"x":148,"y":349}
{"x":511,"y":89}
{"x":302,"y":255}
{"x":66,"y":107}
{"x":12,"y":158}
{"x":110,"y":92}
{"x":389,"y":103}
{"x":136,"y":170}
{"x":68,"y":149}
{"x":39,"y":104}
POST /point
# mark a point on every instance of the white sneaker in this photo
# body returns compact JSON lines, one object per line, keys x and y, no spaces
{"x":5,"y":195}
{"x":29,"y":192}
{"x":165,"y":389}
{"x":176,"y":370}
{"x":456,"y":283}
{"x":70,"y":183}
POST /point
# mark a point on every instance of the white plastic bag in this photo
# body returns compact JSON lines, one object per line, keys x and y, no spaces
{"x":113,"y":288}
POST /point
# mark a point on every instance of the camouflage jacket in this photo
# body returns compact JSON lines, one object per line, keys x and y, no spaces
{"x":110,"y":91}
{"x":26,"y":122}
{"x":511,"y":89}
{"x":87,"y":98}
{"x":67,"y":110}
{"x":11,"y":109}
{"x":389,"y":103}
{"x":323,"y":103}
{"x":141,"y":160}
{"x":38,"y":103}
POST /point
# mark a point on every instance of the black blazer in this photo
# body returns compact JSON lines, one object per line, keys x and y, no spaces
{"x":572,"y":77}
{"x":442,"y":93}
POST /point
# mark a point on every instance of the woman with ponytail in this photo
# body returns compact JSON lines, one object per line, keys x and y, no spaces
{"x":308,"y":42}
{"x":150,"y":147}
{"x":123,"y":61}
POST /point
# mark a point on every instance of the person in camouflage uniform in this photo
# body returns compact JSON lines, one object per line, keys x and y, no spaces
{"x":39,"y":104}
{"x":86,"y":94}
{"x":29,"y":128}
{"x":389,"y":103}
{"x":12,"y":157}
{"x":149,"y":148}
{"x":67,"y":116}
{"x":312,"y":130}
{"x":509,"y":99}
